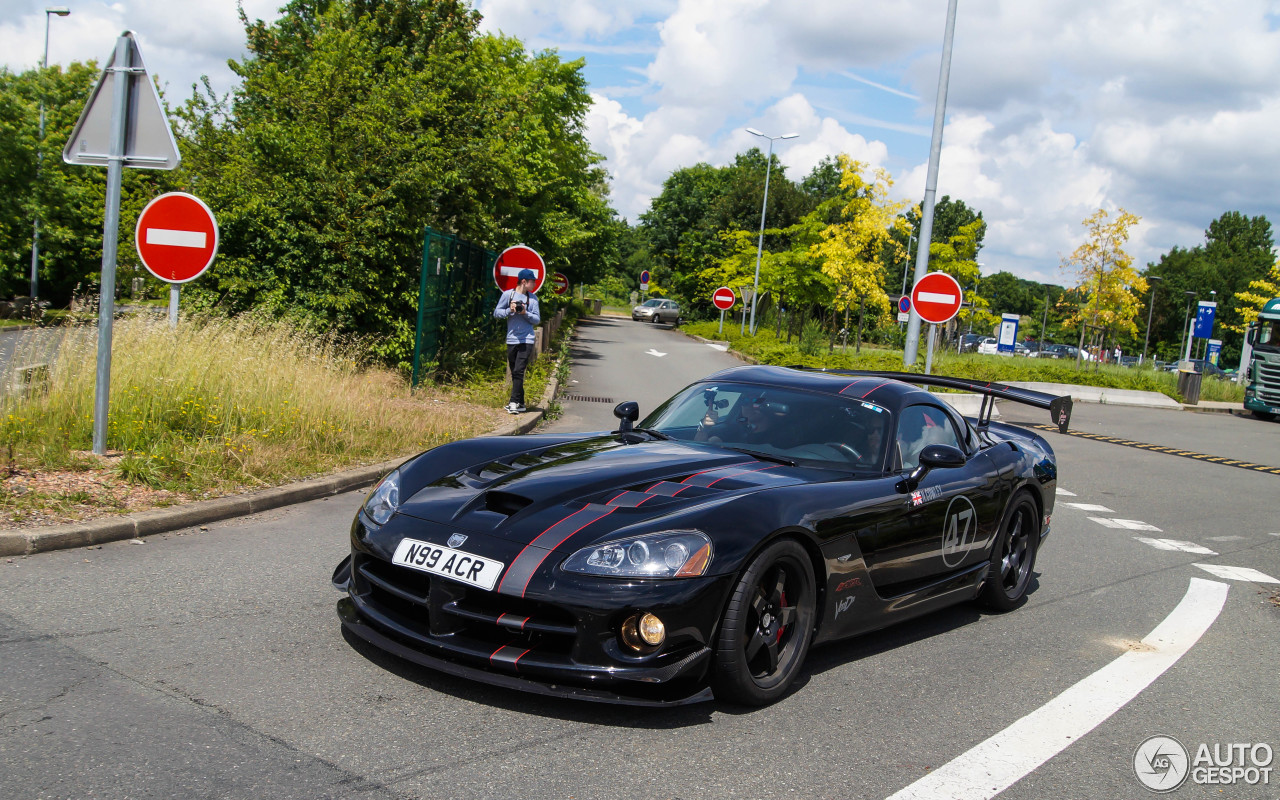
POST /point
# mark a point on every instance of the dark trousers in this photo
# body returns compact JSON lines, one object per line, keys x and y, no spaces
{"x":518,"y":360}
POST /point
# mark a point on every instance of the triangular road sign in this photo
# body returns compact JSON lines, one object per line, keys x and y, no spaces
{"x":148,"y":141}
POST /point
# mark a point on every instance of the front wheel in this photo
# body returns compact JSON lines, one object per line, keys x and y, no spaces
{"x":766,"y":627}
{"x":1266,"y":416}
{"x":1013,"y":557}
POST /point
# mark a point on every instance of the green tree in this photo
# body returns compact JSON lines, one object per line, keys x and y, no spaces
{"x":357,"y":124}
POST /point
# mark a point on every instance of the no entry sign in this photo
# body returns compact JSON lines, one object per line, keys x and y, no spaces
{"x":559,"y":283}
{"x":723,"y":298}
{"x":936,"y":297}
{"x":514,"y":259}
{"x":177,"y":237}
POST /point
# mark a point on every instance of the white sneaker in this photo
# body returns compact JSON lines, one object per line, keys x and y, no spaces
{"x":510,"y":408}
{"x":515,"y":409}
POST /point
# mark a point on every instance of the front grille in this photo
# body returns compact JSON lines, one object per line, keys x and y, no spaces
{"x":435,"y":607}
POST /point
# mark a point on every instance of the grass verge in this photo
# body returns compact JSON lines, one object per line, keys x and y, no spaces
{"x":215,"y":407}
{"x":772,"y":350}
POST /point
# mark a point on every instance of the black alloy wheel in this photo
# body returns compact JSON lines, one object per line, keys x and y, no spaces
{"x":1013,"y":557}
{"x":766,"y":627}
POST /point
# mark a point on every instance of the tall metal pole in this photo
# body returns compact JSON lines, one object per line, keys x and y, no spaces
{"x":110,"y":241}
{"x":1150,"y":307}
{"x":755,"y":289}
{"x":1186,"y":326}
{"x":931,"y":183}
{"x":35,"y":231}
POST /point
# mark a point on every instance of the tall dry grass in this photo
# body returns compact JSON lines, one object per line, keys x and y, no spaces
{"x":225,"y":403}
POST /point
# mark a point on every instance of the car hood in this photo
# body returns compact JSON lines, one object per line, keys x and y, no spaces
{"x":520,"y":496}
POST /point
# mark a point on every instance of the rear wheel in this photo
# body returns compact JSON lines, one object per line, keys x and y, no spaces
{"x":766,"y":627}
{"x":1013,"y":557}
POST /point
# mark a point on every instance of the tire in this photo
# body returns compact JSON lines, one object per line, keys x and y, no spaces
{"x":1265,"y":416}
{"x":766,"y":627}
{"x":1013,"y":557}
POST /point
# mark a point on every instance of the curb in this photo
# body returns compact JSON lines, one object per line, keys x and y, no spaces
{"x":202,"y":512}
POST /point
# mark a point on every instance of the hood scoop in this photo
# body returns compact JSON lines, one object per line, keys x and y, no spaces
{"x":505,"y":503}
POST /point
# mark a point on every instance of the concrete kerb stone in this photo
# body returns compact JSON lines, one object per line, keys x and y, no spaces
{"x":202,"y":512}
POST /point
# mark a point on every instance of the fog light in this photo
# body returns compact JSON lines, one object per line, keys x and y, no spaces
{"x":643,"y":633}
{"x":652,"y":630}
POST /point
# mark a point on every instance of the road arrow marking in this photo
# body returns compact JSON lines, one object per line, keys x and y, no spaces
{"x":653,"y":352}
{"x":1237,"y":573}
{"x":1001,"y":761}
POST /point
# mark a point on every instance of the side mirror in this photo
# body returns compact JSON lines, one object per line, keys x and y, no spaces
{"x":1251,"y":336}
{"x":934,"y":456}
{"x":627,"y":413}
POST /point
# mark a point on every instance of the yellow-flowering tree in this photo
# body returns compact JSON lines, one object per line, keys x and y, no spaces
{"x":854,"y":250}
{"x":1106,"y":278}
{"x":1256,"y":296}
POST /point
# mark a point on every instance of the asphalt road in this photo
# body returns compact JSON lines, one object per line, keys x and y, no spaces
{"x":211,"y":663}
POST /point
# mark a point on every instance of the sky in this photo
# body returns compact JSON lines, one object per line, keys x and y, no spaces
{"x":1170,"y":109}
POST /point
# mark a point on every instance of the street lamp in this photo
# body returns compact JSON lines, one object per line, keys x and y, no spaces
{"x":1186,"y":327}
{"x":1150,"y":307}
{"x":60,"y":11}
{"x":768,"y":165}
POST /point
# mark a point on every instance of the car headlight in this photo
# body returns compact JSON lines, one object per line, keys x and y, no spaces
{"x":670,"y":554}
{"x":384,"y":498}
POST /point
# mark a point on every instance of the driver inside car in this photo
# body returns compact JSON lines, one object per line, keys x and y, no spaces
{"x":759,"y":421}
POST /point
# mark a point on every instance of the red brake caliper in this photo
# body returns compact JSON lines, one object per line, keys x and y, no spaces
{"x":782,"y":628}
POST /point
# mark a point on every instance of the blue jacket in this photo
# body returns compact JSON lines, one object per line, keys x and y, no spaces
{"x":519,"y":326}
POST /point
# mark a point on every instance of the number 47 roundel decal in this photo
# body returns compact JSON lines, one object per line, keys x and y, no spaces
{"x":957,"y":530}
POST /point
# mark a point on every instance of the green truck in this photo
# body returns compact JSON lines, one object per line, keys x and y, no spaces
{"x":1262,"y":394}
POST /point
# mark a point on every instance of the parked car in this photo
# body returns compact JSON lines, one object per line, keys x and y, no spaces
{"x":969,"y":342}
{"x":656,"y":310}
{"x":1207,"y":368}
{"x":988,"y":345}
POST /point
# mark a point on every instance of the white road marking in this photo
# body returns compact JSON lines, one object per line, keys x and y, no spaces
{"x":1001,"y":761}
{"x":1090,"y":507}
{"x":1064,"y":493}
{"x":1226,"y":538}
{"x":175,"y":238}
{"x":1237,"y":573}
{"x":1175,"y":544}
{"x":721,"y":347}
{"x":935,"y":297}
{"x":652,"y":352}
{"x":1273,"y":534}
{"x":1126,"y":524}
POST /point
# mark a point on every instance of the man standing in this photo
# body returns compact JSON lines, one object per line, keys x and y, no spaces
{"x":519,"y":307}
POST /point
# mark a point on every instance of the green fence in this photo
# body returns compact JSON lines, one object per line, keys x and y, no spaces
{"x":456,"y":294}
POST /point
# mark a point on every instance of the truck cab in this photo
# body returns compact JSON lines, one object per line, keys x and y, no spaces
{"x":1262,"y":393}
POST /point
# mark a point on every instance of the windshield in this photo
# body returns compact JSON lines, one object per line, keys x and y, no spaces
{"x":652,"y":303}
{"x":812,"y":429}
{"x":1268,"y":335}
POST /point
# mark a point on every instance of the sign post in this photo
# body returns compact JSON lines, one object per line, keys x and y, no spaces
{"x":177,"y":238}
{"x":723,"y":299}
{"x":122,"y":125}
{"x":936,"y":298}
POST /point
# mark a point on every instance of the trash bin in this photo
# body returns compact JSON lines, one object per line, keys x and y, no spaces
{"x":1189,"y":386}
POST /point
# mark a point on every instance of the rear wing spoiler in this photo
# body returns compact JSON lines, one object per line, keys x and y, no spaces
{"x":1059,"y":408}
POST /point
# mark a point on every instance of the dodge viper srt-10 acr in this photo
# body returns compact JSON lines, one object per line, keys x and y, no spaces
{"x":701,"y":553}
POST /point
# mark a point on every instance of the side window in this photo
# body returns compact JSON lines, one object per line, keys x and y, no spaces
{"x":920,"y":426}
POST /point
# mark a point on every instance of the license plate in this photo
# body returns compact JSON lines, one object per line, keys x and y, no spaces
{"x":448,"y":563}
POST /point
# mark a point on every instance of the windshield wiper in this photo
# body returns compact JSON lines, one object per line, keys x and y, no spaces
{"x":653,"y":433}
{"x":763,"y":456}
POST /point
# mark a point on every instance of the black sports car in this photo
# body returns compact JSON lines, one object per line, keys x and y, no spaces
{"x":756,"y":513}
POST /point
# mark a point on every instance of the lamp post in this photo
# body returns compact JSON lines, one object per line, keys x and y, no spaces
{"x":1150,"y":307}
{"x":60,"y":11}
{"x":768,"y":165}
{"x":1186,"y":327}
